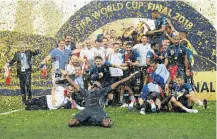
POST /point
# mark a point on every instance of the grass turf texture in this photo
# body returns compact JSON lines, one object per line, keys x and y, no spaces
{"x":127,"y":125}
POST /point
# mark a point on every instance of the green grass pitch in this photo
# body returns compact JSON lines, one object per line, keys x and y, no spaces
{"x":127,"y":125}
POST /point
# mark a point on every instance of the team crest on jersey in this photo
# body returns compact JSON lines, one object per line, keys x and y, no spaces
{"x":183,"y":90}
{"x":172,"y":52}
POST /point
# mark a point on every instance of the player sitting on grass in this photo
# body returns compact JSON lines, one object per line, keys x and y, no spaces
{"x":185,"y":94}
{"x":178,"y":105}
{"x":94,"y":113}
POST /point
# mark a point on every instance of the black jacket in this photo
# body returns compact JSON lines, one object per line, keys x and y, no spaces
{"x":72,"y":46}
{"x":16,"y":58}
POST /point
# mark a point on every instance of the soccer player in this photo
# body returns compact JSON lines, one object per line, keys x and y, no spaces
{"x":160,"y":27}
{"x":116,"y":73}
{"x":183,"y":37}
{"x":131,"y":56}
{"x":177,"y":60}
{"x":185,"y":94}
{"x":154,"y":54}
{"x":169,"y":31}
{"x":94,"y":113}
{"x":131,"y":60}
{"x":87,"y":52}
{"x":53,"y":101}
{"x":189,"y":78}
{"x":79,"y":79}
{"x":153,"y":91}
{"x":180,"y":103}
{"x":100,"y":71}
{"x":116,"y":58}
{"x":98,"y":51}
{"x":143,"y":49}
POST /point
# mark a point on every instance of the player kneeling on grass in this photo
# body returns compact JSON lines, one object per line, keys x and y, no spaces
{"x":94,"y":113}
{"x":58,"y":98}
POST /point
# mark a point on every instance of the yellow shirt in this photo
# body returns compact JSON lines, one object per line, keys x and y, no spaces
{"x":190,"y":47}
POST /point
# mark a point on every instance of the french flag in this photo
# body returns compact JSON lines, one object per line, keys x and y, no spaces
{"x":44,"y":71}
{"x":7,"y":75}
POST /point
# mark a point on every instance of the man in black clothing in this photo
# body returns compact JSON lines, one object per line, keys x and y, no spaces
{"x":100,"y":71}
{"x":23,"y":59}
{"x":94,"y":113}
{"x":70,"y":45}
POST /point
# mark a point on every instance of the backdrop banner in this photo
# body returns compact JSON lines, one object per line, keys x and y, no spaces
{"x":96,"y":14}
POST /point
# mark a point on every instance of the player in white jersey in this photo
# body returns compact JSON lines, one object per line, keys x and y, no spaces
{"x":143,"y":49}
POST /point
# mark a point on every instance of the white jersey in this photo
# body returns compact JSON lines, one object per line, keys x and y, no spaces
{"x":59,"y":98}
{"x":99,"y":52}
{"x":153,"y":88}
{"x":116,"y":59}
{"x":109,"y":51}
{"x":70,"y":69}
{"x":142,"y":50}
{"x":89,"y":53}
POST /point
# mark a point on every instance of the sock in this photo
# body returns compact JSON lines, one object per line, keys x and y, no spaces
{"x":121,"y":98}
{"x":132,"y":99}
{"x":200,"y":103}
{"x":79,"y":107}
{"x":73,"y":104}
{"x":152,"y":105}
{"x":186,"y":109}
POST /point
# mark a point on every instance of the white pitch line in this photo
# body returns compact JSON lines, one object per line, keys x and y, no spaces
{"x":6,"y":113}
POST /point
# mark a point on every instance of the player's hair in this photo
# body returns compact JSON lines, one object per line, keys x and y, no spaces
{"x":105,"y":38}
{"x":168,"y":26}
{"x":144,"y":35}
{"x":98,"y":57}
{"x":112,"y":30}
{"x":182,"y":31}
{"x":78,"y":67}
{"x":155,"y":11}
{"x":61,"y":40}
{"x":153,"y":61}
{"x":130,"y":43}
{"x":185,"y":33}
{"x":180,"y":76}
{"x":153,"y":44}
{"x":116,"y":44}
{"x":184,"y":42}
{"x":97,"y":40}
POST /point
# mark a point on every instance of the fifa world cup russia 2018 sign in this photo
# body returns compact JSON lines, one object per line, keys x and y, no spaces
{"x":200,"y":32}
